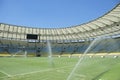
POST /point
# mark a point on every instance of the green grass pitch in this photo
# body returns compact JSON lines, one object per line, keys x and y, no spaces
{"x":43,"y":68}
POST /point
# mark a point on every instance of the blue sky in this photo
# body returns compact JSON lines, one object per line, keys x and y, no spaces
{"x":53,"y":13}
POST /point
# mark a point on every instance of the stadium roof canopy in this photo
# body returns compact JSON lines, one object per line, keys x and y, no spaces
{"x":108,"y":24}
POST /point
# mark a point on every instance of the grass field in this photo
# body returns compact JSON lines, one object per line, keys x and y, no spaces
{"x":43,"y":68}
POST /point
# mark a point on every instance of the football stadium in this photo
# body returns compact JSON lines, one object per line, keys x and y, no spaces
{"x":90,"y":51}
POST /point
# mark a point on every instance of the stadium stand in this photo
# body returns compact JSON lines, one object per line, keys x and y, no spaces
{"x":64,"y":41}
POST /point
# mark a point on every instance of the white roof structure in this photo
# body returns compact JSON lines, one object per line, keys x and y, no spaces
{"x":108,"y":24}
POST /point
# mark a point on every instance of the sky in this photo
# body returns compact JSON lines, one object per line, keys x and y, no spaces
{"x":53,"y":13}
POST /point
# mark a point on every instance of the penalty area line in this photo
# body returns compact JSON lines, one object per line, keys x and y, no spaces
{"x":37,"y":71}
{"x":8,"y":75}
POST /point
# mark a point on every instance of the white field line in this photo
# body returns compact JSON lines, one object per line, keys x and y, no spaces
{"x":37,"y":71}
{"x":8,"y":75}
{"x":30,"y":73}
